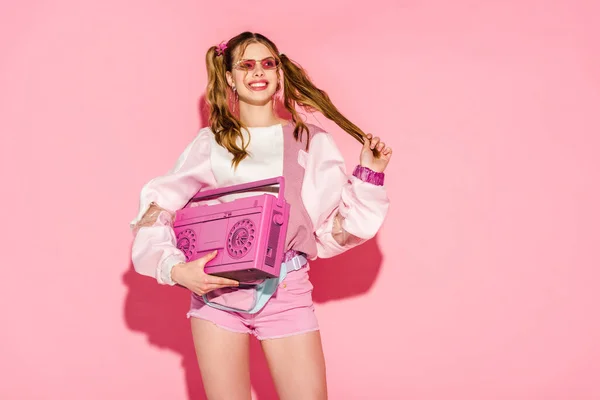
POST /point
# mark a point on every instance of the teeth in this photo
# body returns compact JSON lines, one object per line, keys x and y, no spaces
{"x":258,"y":84}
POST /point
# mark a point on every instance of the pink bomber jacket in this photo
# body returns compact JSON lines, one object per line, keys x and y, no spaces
{"x":327,"y":201}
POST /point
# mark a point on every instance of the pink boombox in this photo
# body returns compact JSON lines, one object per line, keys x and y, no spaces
{"x":249,"y":233}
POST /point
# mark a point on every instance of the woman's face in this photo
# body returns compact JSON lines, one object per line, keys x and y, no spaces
{"x":255,"y":75}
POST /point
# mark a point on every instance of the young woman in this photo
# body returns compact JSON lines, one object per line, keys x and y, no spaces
{"x":331,"y":212}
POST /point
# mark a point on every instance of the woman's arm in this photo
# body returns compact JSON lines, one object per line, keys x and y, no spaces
{"x":346,"y":210}
{"x":154,"y":251}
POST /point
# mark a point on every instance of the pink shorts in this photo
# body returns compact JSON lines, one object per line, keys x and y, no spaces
{"x":290,"y":311}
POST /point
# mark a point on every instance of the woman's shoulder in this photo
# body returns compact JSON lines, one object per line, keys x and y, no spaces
{"x":320,"y":135}
{"x":312,"y":131}
{"x":205,"y":133}
{"x":202,"y":140}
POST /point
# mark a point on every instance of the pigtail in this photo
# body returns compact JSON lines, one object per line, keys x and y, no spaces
{"x":224,"y":124}
{"x":299,"y":89}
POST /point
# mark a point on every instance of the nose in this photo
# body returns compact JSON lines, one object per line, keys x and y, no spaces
{"x":258,"y":70}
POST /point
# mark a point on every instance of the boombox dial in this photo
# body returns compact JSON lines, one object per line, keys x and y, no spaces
{"x":241,"y":238}
{"x":186,"y":242}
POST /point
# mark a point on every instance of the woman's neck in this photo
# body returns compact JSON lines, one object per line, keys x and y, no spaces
{"x":258,"y":116}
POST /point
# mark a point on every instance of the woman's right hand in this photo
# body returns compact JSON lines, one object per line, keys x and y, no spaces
{"x":192,"y":276}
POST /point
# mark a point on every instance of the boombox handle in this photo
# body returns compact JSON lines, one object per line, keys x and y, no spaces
{"x":241,"y":187}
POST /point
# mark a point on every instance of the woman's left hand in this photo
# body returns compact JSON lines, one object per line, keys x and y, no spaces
{"x":367,"y":157}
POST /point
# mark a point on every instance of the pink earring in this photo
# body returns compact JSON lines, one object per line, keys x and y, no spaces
{"x":235,"y":97}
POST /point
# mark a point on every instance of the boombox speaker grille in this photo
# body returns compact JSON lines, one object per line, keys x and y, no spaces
{"x":186,"y":242}
{"x":241,"y":238}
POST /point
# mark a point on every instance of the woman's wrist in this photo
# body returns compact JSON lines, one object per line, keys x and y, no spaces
{"x":366,"y":174}
{"x":176,"y":272}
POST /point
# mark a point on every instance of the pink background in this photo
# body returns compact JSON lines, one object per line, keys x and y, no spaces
{"x":482,"y":284}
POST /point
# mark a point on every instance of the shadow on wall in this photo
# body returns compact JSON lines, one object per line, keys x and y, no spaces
{"x":159,"y":311}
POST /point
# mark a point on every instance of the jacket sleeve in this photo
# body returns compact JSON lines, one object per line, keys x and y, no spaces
{"x":346,"y":210}
{"x":154,"y":251}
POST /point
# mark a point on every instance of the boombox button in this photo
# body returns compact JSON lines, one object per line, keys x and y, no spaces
{"x":278,"y":219}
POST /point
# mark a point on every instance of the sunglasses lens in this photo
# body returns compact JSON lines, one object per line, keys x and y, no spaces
{"x":269,"y":63}
{"x":247,"y":65}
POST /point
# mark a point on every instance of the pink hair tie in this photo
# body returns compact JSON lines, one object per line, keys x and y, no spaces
{"x":221,"y":48}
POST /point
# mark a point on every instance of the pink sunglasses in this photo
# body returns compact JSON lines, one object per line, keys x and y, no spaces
{"x":249,"y":65}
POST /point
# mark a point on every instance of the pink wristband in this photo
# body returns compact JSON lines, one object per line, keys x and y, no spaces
{"x":368,"y":175}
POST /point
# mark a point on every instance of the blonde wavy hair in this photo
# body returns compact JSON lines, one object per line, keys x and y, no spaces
{"x":298,"y":90}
